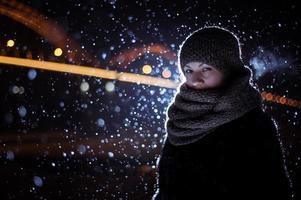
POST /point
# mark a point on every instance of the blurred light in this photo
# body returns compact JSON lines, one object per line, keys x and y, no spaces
{"x":38,"y":181}
{"x":21,"y":90}
{"x":32,"y":73}
{"x":89,"y":71}
{"x":117,"y":109}
{"x":269,"y":96}
{"x":15,"y":89}
{"x":58,"y":52}
{"x":103,"y":56}
{"x":290,"y":102}
{"x":111,"y":154}
{"x":81,"y":149}
{"x":282,"y":100}
{"x":22,"y":111}
{"x":166,"y":73}
{"x":62,"y":104}
{"x":10,"y":43}
{"x":100,"y":122}
{"x":147,"y":69}
{"x":84,"y":86}
{"x":108,"y":74}
{"x":263,"y":94}
{"x":10,"y":155}
{"x":110,"y":86}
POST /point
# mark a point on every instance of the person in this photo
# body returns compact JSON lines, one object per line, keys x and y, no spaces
{"x":220,"y":142}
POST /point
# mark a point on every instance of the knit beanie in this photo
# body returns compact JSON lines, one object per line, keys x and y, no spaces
{"x":214,"y":46}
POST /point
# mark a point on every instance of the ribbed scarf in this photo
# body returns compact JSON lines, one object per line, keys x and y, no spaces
{"x":195,"y":113}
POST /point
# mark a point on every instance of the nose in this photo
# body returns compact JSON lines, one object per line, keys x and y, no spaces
{"x":195,"y":81}
{"x":195,"y":85}
{"x":197,"y":78}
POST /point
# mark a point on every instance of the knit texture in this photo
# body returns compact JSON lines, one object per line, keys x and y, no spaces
{"x":212,"y":45}
{"x":195,"y":113}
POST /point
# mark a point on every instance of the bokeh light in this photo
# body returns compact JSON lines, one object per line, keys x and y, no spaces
{"x":110,"y":86}
{"x":58,"y":52}
{"x":147,"y":69}
{"x":84,"y":86}
{"x":166,"y":73}
{"x":10,"y":43}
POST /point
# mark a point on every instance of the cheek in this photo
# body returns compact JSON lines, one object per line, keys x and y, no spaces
{"x":188,"y":78}
{"x":213,"y":80}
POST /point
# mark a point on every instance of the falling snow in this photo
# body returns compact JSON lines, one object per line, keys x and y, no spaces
{"x":70,"y":136}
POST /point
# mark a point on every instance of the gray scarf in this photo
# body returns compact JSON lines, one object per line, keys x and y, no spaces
{"x":195,"y":113}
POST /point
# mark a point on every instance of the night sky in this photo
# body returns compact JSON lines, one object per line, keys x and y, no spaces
{"x":65,"y":136}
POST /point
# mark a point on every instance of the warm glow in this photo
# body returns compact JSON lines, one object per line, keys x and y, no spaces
{"x":147,"y":69}
{"x":89,"y":71}
{"x":58,"y":52}
{"x":282,"y":100}
{"x":166,"y":73}
{"x":269,"y":96}
{"x":114,"y":75}
{"x":10,"y":43}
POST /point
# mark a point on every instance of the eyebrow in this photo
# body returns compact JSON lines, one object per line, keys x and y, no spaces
{"x":200,"y":65}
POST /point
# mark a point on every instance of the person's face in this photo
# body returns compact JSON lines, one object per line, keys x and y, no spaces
{"x":202,"y":76}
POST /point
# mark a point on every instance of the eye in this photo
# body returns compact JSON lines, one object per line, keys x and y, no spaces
{"x":187,"y":71}
{"x":206,"y":69}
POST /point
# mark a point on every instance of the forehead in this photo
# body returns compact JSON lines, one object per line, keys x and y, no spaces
{"x":196,"y":64}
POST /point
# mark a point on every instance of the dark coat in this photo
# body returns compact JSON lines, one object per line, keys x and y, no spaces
{"x":241,"y":159}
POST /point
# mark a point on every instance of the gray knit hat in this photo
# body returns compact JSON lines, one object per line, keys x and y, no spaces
{"x":212,"y":45}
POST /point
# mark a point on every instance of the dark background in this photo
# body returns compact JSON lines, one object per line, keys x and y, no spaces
{"x":57,"y":150}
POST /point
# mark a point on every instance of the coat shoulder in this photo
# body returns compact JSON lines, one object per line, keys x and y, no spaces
{"x":256,"y":121}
